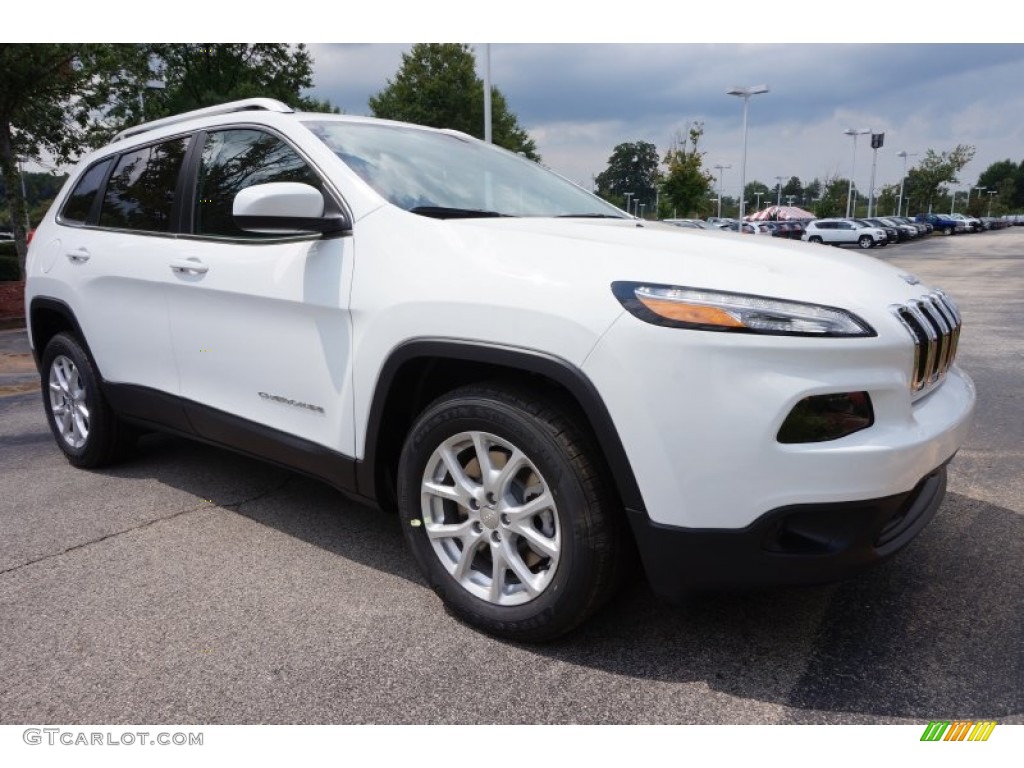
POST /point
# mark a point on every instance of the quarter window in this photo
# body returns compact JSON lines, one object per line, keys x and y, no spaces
{"x":236,"y":159}
{"x":80,"y":201}
{"x":140,"y":192}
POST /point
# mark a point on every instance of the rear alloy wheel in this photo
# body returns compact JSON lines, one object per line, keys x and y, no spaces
{"x":815,"y":239}
{"x":84,"y":426}
{"x":507,"y":513}
{"x":866,"y":241}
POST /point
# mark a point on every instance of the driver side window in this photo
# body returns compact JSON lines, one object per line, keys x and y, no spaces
{"x":233,"y":160}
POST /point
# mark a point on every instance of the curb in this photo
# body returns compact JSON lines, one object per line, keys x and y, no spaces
{"x":11,"y":323}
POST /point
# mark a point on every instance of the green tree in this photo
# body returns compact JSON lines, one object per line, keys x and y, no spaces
{"x":196,"y":75}
{"x":437,"y":85}
{"x":54,"y":101}
{"x":925,"y":181}
{"x":793,"y":188}
{"x":833,"y":197}
{"x":632,"y":175}
{"x":757,"y":190}
{"x":1007,"y":179}
{"x":686,"y":183}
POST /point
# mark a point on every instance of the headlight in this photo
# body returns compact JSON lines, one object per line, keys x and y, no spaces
{"x":678,"y":307}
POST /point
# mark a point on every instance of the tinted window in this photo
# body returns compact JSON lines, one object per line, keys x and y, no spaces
{"x":234,"y":160}
{"x":140,"y":193}
{"x":79,"y":204}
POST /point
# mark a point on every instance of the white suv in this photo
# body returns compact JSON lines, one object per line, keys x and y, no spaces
{"x":536,"y":381}
{"x":844,"y":232}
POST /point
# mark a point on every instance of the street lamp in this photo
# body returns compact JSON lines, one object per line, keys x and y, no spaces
{"x":990,"y":193}
{"x":720,"y":168}
{"x":904,"y":154}
{"x":855,"y":132}
{"x":778,"y":200}
{"x":745,"y":93}
{"x":980,"y":190}
{"x":758,"y":195}
{"x":642,"y":206}
{"x":952,"y":205}
{"x":627,"y":195}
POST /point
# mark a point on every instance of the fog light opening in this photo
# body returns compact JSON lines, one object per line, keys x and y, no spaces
{"x":820,"y":418}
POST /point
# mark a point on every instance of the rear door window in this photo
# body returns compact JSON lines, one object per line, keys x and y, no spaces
{"x":79,"y":205}
{"x":140,"y":192}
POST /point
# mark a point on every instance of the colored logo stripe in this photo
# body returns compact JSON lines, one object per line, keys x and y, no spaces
{"x":958,"y":730}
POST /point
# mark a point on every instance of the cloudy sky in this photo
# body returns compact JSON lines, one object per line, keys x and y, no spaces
{"x":578,"y":100}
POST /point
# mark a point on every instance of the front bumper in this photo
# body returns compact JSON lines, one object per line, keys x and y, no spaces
{"x":799,"y":544}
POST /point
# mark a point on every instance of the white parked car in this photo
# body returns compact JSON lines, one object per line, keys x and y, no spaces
{"x":532,"y":379}
{"x":971,"y":224}
{"x":844,"y":232}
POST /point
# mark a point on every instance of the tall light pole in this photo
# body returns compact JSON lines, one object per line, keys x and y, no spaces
{"x":487,"y":92}
{"x":720,"y":168}
{"x":876,"y":143}
{"x":627,"y":195}
{"x":952,"y":204}
{"x":904,"y":154}
{"x":990,"y":193}
{"x":745,"y":94}
{"x":758,"y":195}
{"x":855,"y":132}
{"x":778,"y":200}
{"x":967,"y":210}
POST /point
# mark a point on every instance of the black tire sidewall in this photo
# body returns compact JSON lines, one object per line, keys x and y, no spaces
{"x":563,"y":603}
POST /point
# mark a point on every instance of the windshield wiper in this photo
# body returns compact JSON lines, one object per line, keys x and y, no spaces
{"x":441,"y":212}
{"x":589,"y":216}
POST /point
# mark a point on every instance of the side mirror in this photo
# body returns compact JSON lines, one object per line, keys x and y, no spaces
{"x":285,"y":208}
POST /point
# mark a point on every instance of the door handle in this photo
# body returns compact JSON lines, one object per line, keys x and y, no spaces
{"x":78,"y":256}
{"x":192,"y":266}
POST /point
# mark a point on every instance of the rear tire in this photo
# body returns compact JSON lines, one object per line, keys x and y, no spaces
{"x":507,"y":508}
{"x":85,"y":427}
{"x":815,"y":239}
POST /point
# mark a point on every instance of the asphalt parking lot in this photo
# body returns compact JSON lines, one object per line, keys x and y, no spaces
{"x":191,"y":585}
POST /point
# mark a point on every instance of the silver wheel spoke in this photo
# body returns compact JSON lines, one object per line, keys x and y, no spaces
{"x":512,"y":466}
{"x":461,"y":530}
{"x":540,"y":543}
{"x":532,"y":507}
{"x":499,"y":566}
{"x":483,"y":458}
{"x":525,"y":576}
{"x":464,"y":565}
{"x":447,"y":492}
{"x":451,"y":463}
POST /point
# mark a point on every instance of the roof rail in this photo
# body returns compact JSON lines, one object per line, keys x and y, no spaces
{"x":269,"y":105}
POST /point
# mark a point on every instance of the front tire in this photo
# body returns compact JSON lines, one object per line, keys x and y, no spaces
{"x":866,"y":241}
{"x":86,"y":429}
{"x":816,"y":240}
{"x":507,"y":509}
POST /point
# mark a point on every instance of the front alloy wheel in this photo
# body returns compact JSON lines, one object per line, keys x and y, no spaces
{"x":491,"y":518}
{"x":508,"y":511}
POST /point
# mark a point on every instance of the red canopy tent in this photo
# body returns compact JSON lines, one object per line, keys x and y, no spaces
{"x":780,"y":213}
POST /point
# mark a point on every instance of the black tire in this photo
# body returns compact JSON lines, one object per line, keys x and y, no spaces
{"x":86,"y":429}
{"x":815,"y":239}
{"x":571,"y":545}
{"x":866,"y":241}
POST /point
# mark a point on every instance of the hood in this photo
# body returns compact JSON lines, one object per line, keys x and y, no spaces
{"x":606,"y":250}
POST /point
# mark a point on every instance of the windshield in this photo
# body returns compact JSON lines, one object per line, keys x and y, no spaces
{"x":449,"y":176}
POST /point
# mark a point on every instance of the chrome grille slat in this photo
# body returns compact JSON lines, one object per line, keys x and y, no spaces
{"x":933,"y":322}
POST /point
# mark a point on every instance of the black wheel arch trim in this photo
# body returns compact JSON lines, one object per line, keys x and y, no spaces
{"x":561,"y":371}
{"x":47,"y":303}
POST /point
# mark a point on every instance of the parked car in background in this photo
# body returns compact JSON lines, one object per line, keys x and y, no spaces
{"x":991,"y":222}
{"x":844,"y":232}
{"x":892,"y":234}
{"x":686,"y":223}
{"x":942,"y":223}
{"x":923,"y":228}
{"x":971,"y":224}
{"x":905,"y":231}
